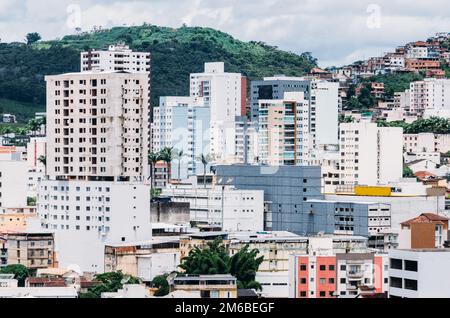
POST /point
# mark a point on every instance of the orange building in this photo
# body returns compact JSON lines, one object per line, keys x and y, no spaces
{"x":415,"y":65}
{"x":425,"y":231}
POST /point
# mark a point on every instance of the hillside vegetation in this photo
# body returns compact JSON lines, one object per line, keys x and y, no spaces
{"x":175,"y":54}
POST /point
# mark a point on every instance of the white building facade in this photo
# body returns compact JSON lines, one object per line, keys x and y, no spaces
{"x":431,"y":96}
{"x":419,"y":273}
{"x":225,"y":95}
{"x":117,"y":58}
{"x":98,"y":125}
{"x":370,"y":155}
{"x":233,"y":210}
{"x":97,"y":189}
{"x":87,"y":215}
{"x":184,"y":124}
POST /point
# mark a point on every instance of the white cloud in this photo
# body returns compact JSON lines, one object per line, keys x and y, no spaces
{"x":334,"y":31}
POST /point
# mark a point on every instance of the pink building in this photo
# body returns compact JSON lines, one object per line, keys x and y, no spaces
{"x":339,"y":275}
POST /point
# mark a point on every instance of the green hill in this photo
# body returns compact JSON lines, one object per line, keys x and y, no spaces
{"x":175,"y":54}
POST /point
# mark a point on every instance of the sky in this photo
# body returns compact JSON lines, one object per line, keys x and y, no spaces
{"x":336,"y":32}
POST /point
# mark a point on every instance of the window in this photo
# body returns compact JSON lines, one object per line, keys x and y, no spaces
{"x":343,"y":281}
{"x":322,"y":294}
{"x":323,"y":268}
{"x":303,"y":268}
{"x":331,"y":267}
{"x":396,"y":264}
{"x":322,"y":281}
{"x":303,"y":294}
{"x":411,"y":266}
{"x":410,"y":284}
{"x":396,"y":282}
{"x":302,"y":281}
{"x":343,"y":267}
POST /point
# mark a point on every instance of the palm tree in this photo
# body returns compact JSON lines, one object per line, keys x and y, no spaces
{"x":179,"y":154}
{"x":23,"y":131}
{"x":34,"y":126}
{"x":7,"y":130}
{"x":43,"y":160}
{"x":205,"y":161}
{"x":167,"y":157}
{"x":153,"y":158}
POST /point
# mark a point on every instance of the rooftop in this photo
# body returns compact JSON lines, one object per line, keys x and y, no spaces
{"x":426,"y":218}
{"x":205,"y":277}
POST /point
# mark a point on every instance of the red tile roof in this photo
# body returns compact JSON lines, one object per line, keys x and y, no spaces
{"x":425,"y":175}
{"x":426,"y":218}
{"x":46,"y":282}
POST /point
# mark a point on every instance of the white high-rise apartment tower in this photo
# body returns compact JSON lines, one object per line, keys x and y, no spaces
{"x":431,"y":96}
{"x":117,"y":58}
{"x":97,"y":190}
{"x":370,"y":155}
{"x":226,"y":95}
{"x":98,"y":126}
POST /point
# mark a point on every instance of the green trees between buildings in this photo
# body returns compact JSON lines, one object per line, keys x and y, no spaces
{"x":21,"y":273}
{"x":215,"y":259}
{"x":109,"y":283}
{"x":436,"y":125}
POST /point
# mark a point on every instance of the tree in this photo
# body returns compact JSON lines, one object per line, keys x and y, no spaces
{"x":215,"y":259}
{"x":212,"y":260}
{"x":308,"y":57}
{"x":167,"y":156}
{"x":31,"y":201}
{"x":345,"y":119}
{"x":205,"y":161}
{"x":33,"y":38}
{"x":365,"y":97}
{"x":179,"y":154}
{"x":43,"y":160}
{"x":407,"y":172}
{"x":34,"y":125}
{"x":153,"y":159}
{"x":155,"y":193}
{"x":22,"y":131}
{"x":109,"y":283}
{"x":162,"y":284}
{"x":244,"y":265}
{"x":21,"y":273}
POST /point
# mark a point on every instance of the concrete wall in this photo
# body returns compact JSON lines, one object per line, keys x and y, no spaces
{"x":170,"y":213}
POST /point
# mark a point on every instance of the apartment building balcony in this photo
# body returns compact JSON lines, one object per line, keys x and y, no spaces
{"x":355,"y":274}
{"x":351,"y":287}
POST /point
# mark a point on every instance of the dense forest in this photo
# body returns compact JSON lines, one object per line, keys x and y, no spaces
{"x":175,"y":54}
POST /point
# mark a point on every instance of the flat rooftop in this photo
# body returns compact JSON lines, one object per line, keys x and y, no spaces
{"x":154,"y":241}
{"x":426,"y":250}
